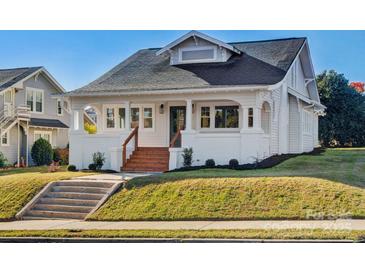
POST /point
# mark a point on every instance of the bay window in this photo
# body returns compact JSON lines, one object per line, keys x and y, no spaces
{"x":34,"y":99}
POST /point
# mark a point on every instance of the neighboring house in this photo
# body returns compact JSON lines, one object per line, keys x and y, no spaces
{"x":243,"y":100}
{"x":29,"y":112}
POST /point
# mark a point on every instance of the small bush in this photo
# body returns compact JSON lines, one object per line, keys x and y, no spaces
{"x":42,"y":152}
{"x":233,"y":163}
{"x":92,"y":167}
{"x":210,"y":163}
{"x":98,"y":160}
{"x":90,"y":128}
{"x":71,"y":168}
{"x":188,"y":156}
{"x":3,"y":160}
{"x":62,"y":155}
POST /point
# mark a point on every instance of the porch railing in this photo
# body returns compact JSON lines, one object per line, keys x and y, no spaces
{"x":134,"y":134}
{"x":175,"y":138}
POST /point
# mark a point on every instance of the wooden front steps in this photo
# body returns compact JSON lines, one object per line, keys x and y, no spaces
{"x":152,"y":159}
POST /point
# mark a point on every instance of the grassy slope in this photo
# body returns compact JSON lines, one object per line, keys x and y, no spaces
{"x":284,"y":234}
{"x":19,"y":186}
{"x":329,"y":185}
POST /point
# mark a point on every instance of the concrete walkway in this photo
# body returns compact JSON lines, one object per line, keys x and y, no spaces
{"x":121,"y":176}
{"x":195,"y":225}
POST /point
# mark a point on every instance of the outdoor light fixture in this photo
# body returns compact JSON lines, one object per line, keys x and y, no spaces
{"x":161,"y":108}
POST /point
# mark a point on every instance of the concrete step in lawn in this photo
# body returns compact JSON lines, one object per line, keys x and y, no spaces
{"x":69,"y":199}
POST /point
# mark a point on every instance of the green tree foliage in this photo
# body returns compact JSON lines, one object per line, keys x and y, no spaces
{"x":42,"y":152}
{"x":344,"y":123}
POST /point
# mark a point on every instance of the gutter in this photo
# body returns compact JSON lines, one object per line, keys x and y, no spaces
{"x":167,"y":91}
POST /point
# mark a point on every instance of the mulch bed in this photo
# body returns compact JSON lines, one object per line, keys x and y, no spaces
{"x":266,"y":163}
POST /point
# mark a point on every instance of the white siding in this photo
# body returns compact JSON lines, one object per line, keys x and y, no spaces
{"x":276,"y":95}
{"x":294,"y":122}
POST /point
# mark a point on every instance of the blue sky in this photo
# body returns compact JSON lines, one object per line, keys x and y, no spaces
{"x":76,"y":58}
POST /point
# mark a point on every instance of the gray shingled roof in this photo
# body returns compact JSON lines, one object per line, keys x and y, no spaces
{"x":9,"y":77}
{"x":262,"y":63}
{"x":54,"y":123}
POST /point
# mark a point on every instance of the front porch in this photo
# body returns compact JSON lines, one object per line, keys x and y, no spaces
{"x":134,"y":133}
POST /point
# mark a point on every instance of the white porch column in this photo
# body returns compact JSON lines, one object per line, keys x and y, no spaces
{"x":128,"y":116}
{"x":283,"y":120}
{"x":189,"y":115}
{"x":26,"y":146}
{"x":244,"y":117}
{"x":257,"y":118}
{"x":77,"y":120}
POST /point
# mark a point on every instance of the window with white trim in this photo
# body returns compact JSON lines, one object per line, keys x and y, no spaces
{"x":34,"y":99}
{"x":114,"y":117}
{"x":46,"y":135}
{"x":226,"y":116}
{"x":59,"y":107}
{"x":5,"y":139}
{"x":307,"y":122}
{"x":205,"y":117}
{"x":143,"y":116}
{"x":134,"y":117}
{"x":250,"y":117}
{"x":147,"y":117}
{"x":197,"y":54}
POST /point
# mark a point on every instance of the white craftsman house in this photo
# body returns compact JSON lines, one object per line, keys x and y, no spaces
{"x":29,"y":112}
{"x":244,"y":101}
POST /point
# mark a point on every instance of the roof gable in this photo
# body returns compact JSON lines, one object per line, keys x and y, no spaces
{"x":193,"y":34}
{"x":16,"y":76}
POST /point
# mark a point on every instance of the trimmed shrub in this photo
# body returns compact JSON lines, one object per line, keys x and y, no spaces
{"x":92,"y":166}
{"x":98,"y":160}
{"x":233,"y":163}
{"x":3,"y":160}
{"x":71,"y":168}
{"x":188,"y":156}
{"x":42,"y":152}
{"x":210,"y":163}
{"x":61,"y":154}
{"x":90,"y":128}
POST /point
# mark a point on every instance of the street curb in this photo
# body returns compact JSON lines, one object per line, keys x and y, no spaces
{"x":156,"y":240}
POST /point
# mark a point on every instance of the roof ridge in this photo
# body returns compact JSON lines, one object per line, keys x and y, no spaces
{"x":268,"y":40}
{"x":22,"y":68}
{"x":245,"y":42}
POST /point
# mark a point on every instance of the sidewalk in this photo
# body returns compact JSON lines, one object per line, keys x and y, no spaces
{"x":177,"y":225}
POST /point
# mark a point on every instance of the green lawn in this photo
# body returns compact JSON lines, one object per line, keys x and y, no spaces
{"x":19,"y":186}
{"x":282,"y":234}
{"x":314,"y":186}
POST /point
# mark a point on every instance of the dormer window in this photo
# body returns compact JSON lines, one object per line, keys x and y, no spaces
{"x":197,"y":54}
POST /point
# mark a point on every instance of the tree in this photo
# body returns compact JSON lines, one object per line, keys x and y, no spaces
{"x":358,"y":86}
{"x":344,"y":123}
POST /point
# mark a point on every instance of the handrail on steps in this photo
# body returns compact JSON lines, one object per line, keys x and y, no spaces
{"x":134,"y":133}
{"x":174,"y":139}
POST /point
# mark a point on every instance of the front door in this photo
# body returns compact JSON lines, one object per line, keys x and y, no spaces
{"x":177,"y":122}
